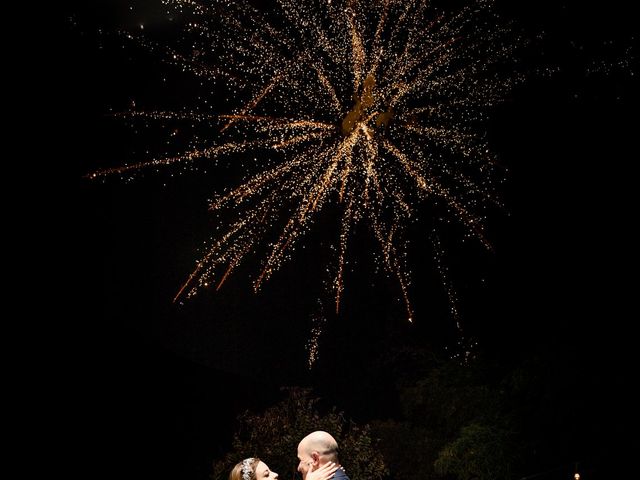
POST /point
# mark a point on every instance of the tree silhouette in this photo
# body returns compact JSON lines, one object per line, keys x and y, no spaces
{"x":273,"y":436}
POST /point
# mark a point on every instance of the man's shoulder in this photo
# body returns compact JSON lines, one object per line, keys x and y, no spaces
{"x":340,"y":475}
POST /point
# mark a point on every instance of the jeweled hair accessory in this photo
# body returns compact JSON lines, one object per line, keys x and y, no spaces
{"x":247,"y":470}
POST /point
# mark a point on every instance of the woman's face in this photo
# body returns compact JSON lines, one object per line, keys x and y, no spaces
{"x":263,"y":472}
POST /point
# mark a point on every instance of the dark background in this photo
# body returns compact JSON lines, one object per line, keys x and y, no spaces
{"x":160,"y":384}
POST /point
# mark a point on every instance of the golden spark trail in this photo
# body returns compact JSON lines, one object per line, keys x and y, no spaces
{"x":373,"y":107}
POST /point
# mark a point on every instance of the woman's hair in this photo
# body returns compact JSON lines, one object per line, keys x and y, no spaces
{"x":245,"y":470}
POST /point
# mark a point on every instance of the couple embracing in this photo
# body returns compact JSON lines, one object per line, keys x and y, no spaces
{"x":318,"y":455}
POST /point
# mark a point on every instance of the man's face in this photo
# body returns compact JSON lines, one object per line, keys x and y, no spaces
{"x":306,"y":464}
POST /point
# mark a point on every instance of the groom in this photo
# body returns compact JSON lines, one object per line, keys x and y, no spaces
{"x":317,"y":449}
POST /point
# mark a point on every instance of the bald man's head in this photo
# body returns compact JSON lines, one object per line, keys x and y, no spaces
{"x":321,"y":442}
{"x":315,"y":450}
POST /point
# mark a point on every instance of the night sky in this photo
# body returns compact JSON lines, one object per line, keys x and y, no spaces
{"x":167,"y":379}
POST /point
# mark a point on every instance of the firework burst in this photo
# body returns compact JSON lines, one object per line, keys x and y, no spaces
{"x":373,"y":106}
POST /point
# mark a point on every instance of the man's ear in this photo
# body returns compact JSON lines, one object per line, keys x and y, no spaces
{"x":315,"y":456}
